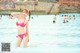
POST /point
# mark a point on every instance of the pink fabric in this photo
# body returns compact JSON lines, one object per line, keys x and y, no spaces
{"x":22,"y":35}
{"x":20,"y":24}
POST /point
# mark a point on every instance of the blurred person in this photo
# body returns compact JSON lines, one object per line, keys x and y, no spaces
{"x":54,"y":19}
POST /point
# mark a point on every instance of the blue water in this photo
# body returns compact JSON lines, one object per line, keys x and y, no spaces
{"x":45,"y":36}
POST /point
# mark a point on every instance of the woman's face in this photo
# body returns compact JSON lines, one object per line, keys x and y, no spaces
{"x":25,"y":11}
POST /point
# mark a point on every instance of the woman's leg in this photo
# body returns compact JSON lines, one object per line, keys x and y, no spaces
{"x":25,"y":41}
{"x":18,"y":42}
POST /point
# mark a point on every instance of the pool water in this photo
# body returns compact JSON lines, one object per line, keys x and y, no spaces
{"x":45,"y":36}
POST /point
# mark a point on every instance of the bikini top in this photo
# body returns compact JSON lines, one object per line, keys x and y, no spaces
{"x":20,"y":24}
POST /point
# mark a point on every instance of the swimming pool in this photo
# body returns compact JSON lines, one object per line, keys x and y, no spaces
{"x":45,"y":36}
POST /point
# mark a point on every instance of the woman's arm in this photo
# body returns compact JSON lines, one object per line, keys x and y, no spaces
{"x":16,"y":14}
{"x":29,"y":16}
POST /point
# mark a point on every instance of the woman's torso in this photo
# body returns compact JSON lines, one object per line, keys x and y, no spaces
{"x":21,"y":20}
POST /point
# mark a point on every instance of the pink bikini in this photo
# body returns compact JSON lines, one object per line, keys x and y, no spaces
{"x":22,"y":25}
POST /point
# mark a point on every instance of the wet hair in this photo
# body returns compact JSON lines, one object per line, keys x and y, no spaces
{"x":69,"y":16}
{"x":73,"y":15}
{"x":62,"y":15}
{"x":65,"y":15}
{"x":55,"y":14}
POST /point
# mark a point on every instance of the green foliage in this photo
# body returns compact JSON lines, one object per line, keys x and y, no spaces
{"x":9,"y":11}
{"x":37,"y":12}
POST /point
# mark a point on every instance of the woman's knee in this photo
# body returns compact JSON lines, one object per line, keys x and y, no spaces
{"x":18,"y":42}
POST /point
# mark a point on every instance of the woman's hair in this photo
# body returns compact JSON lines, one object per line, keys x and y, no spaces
{"x":73,"y":15}
{"x":26,"y":11}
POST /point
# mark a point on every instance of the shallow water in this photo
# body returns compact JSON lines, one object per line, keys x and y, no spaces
{"x":45,"y":36}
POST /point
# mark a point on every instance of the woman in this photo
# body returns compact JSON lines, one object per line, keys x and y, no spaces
{"x":22,"y":26}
